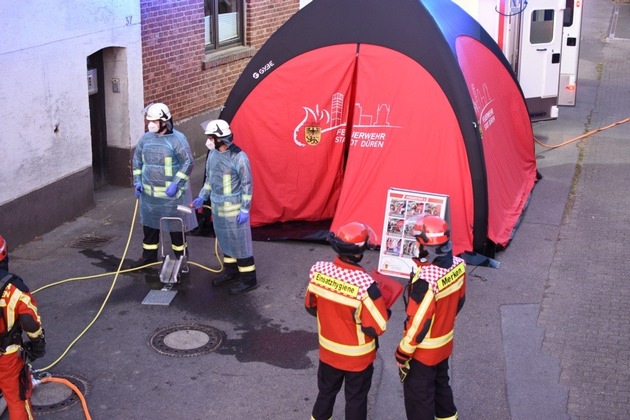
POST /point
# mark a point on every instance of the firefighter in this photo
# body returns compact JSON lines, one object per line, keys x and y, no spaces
{"x":162,"y":164}
{"x":19,"y":313}
{"x":351,"y":314}
{"x":434,"y":297}
{"x":229,"y":187}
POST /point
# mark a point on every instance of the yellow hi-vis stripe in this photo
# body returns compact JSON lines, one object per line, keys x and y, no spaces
{"x":345,"y":349}
{"x":357,"y":326}
{"x":335,"y":297}
{"x":178,"y":248}
{"x":181,"y":175}
{"x":229,"y":209}
{"x":371,"y":307}
{"x":155,"y":191}
{"x":454,"y":288}
{"x":29,"y":411}
{"x":168,"y":166}
{"x":227,"y":184}
{"x":247,"y":269}
{"x":137,"y":171}
{"x":447,"y":418}
{"x":405,"y":343}
{"x":437,"y":342}
{"x":229,"y":260}
{"x":150,"y":247}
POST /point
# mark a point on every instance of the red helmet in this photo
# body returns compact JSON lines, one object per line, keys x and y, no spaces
{"x":3,"y":248}
{"x":352,"y":238}
{"x":431,"y":230}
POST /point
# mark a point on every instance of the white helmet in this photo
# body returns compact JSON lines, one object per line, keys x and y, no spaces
{"x":219,"y":128}
{"x":158,"y":111}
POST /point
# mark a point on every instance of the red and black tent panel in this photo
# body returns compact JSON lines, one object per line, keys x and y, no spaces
{"x":350,"y":98}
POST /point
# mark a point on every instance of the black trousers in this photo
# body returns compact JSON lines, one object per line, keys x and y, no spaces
{"x":356,"y":389}
{"x":150,"y":243}
{"x":428,"y":394}
{"x":243,"y":268}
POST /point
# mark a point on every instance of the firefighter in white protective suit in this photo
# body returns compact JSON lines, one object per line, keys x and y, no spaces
{"x":228,"y":185}
{"x":162,"y":164}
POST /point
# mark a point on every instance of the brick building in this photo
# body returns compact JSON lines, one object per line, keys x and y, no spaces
{"x":76,"y":79}
{"x":185,"y":69}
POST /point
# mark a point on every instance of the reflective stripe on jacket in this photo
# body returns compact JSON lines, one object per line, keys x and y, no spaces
{"x":431,"y":311}
{"x":350,"y":311}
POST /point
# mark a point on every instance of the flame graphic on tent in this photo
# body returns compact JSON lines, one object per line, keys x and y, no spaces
{"x":311,"y":117}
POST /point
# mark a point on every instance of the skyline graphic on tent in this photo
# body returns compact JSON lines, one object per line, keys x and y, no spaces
{"x":350,"y":98}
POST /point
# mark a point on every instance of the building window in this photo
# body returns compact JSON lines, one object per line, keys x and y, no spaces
{"x":223,"y":23}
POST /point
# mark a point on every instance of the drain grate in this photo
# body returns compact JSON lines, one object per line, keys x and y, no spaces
{"x":52,"y":397}
{"x":184,"y":340}
{"x":89,"y":241}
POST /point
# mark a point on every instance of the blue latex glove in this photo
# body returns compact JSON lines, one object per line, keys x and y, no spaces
{"x":197,"y":203}
{"x":242,"y":218}
{"x":171,"y":190}
{"x":138,"y":189}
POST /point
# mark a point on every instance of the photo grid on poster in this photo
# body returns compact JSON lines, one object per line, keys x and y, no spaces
{"x":398,"y":246}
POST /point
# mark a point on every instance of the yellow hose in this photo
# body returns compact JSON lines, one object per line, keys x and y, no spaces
{"x":116,"y":273}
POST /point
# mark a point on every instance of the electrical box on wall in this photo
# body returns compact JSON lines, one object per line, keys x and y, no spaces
{"x":92,"y":81}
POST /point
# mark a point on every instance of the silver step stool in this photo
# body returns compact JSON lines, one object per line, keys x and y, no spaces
{"x":172,"y":269}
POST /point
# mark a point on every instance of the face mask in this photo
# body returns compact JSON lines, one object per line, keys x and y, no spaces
{"x":153,"y":127}
{"x":210,"y":144}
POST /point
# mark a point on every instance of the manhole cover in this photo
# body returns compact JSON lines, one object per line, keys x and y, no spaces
{"x":56,"y":395}
{"x":186,"y":340}
{"x":89,"y":241}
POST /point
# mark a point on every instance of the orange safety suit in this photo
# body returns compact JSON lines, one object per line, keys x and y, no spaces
{"x":431,"y":312}
{"x":350,"y":311}
{"x":18,"y":307}
{"x":436,"y":294}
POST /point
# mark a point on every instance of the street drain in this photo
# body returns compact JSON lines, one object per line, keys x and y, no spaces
{"x":184,"y":340}
{"x":52,"y":397}
{"x":89,"y":241}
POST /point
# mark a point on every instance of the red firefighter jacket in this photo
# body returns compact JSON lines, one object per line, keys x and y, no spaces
{"x":435,"y":297}
{"x":18,"y":307}
{"x":350,"y":312}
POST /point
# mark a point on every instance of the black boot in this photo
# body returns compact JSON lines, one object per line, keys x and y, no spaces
{"x":147,"y":258}
{"x":225,"y":278}
{"x":242,"y":287}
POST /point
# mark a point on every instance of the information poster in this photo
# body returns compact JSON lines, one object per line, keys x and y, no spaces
{"x":398,"y":245}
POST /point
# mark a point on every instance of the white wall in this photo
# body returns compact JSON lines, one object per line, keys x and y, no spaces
{"x":304,"y":3}
{"x":44,"y":112}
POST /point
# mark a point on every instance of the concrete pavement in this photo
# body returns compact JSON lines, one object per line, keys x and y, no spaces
{"x":545,"y":336}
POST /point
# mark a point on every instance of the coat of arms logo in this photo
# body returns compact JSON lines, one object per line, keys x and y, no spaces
{"x":312,"y":134}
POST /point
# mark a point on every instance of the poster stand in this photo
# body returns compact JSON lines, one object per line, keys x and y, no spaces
{"x":398,"y":245}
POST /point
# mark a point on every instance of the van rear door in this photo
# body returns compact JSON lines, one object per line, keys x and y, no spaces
{"x":572,"y":26}
{"x":539,"y":66}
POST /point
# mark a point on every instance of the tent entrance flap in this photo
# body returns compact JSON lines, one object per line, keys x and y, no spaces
{"x":331,"y":119}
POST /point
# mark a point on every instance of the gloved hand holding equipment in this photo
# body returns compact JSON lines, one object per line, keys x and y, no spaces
{"x":171,"y":190}
{"x":403,"y":371}
{"x":138,"y":189}
{"x":197,"y":203}
{"x":402,"y":360}
{"x":242,"y":218}
{"x":35,"y":348}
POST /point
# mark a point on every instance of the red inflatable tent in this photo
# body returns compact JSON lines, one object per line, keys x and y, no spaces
{"x":350,"y":98}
